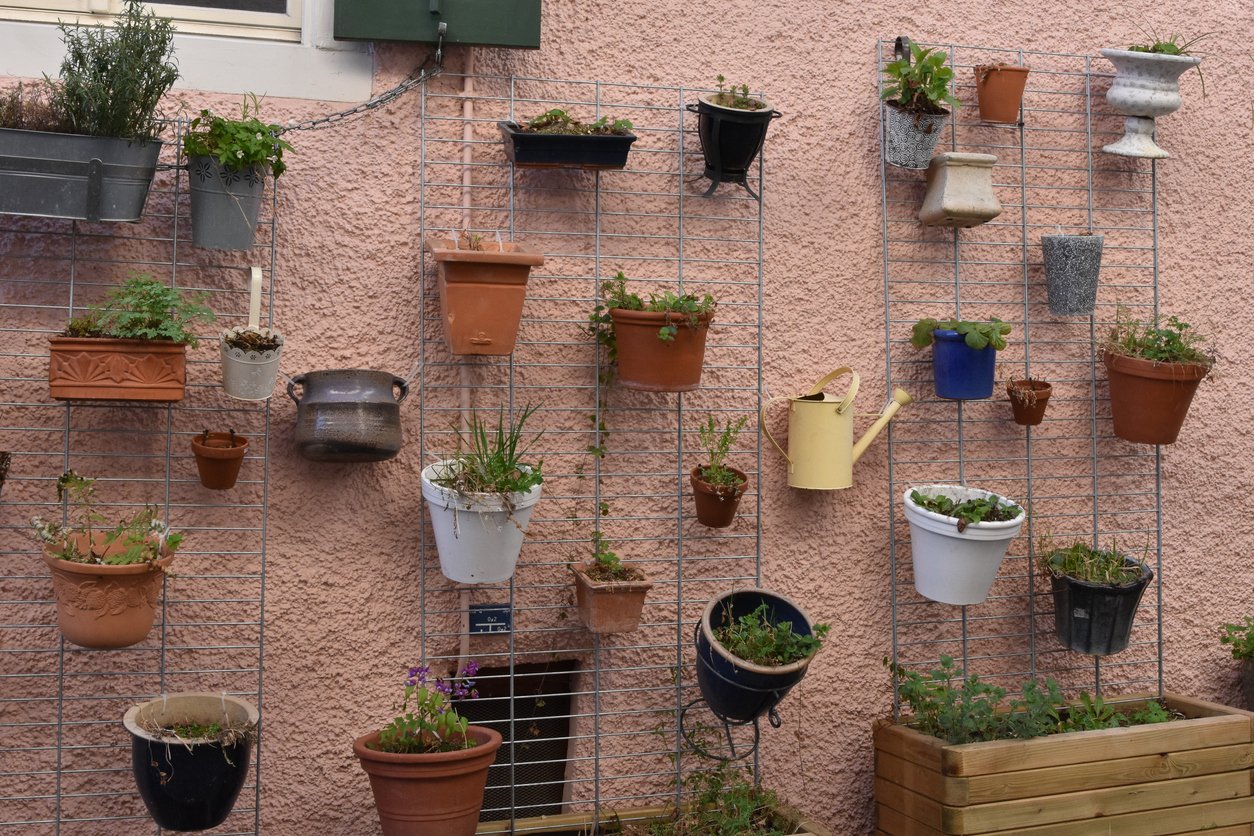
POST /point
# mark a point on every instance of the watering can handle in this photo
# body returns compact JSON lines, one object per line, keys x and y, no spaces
{"x":762,"y":424}
{"x":829,"y":377}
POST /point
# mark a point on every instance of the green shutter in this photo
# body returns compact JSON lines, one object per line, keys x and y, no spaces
{"x":503,"y":23}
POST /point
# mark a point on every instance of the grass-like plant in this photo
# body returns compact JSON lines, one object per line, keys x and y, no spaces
{"x":490,"y":461}
{"x":558,"y":121}
{"x":237,"y":143}
{"x":919,"y":83}
{"x":1081,"y":561}
{"x":717,"y":444}
{"x":1240,"y":637}
{"x":976,"y":334}
{"x":736,"y":97}
{"x":1163,"y":339}
{"x":142,"y":308}
{"x":757,"y":638}
{"x":984,"y":509}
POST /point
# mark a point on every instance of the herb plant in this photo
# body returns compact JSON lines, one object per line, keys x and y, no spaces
{"x":1164,"y":339}
{"x":755,"y":638}
{"x":558,"y":121}
{"x":1175,"y":44}
{"x":427,"y":721}
{"x":605,"y":565}
{"x":28,"y":107}
{"x":237,"y":143}
{"x":1081,"y":561}
{"x":142,"y":308}
{"x":736,"y":97}
{"x":985,"y":509}
{"x":717,"y":444}
{"x":1240,"y":637}
{"x":977,"y":334}
{"x":921,"y":87}
{"x":491,"y":461}
{"x":724,"y":803}
{"x":138,"y":539}
{"x":679,"y":309}
{"x":1024,"y":391}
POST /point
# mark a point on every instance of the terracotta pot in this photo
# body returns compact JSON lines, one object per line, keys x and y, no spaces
{"x":1000,"y":92}
{"x":429,"y":795}
{"x":650,"y":364}
{"x":482,"y":294}
{"x":106,"y":607}
{"x":217,"y":461}
{"x":609,"y":606}
{"x":103,"y":368}
{"x":716,"y":504}
{"x":1148,"y":401}
{"x":1025,"y":414}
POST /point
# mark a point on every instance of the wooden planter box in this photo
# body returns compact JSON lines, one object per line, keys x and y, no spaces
{"x":1186,"y":777}
{"x":581,"y":823}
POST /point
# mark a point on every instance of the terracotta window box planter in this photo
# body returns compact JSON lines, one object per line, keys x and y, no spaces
{"x":527,"y":149}
{"x":102,"y":368}
{"x":482,"y":294}
{"x":609,"y":606}
{"x":650,"y":364}
{"x":1184,"y":777}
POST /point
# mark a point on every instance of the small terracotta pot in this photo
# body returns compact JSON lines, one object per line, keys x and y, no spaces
{"x":648,"y":363}
{"x":106,"y":607}
{"x":609,"y":606}
{"x":717,"y":504}
{"x":1148,"y":400}
{"x":102,"y":368}
{"x":429,"y":795}
{"x":1025,"y":414}
{"x":1000,"y":92}
{"x":217,"y":461}
{"x":482,"y":294}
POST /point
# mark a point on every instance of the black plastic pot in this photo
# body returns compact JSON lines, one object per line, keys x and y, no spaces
{"x":731,"y":140}
{"x":532,"y":150}
{"x":736,"y":690}
{"x":1096,"y":619}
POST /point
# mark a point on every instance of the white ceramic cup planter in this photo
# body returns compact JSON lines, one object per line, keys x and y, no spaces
{"x":952,"y":566}
{"x":478,"y":538}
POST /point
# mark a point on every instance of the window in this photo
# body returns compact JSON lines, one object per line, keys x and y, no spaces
{"x":278,"y":20}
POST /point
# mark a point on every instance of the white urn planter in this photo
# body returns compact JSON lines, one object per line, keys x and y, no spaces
{"x":1146,"y":86}
{"x":478,"y":536}
{"x":952,"y":566}
{"x":960,"y":191}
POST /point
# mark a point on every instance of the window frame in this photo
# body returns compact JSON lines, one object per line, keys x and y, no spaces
{"x":187,"y":19}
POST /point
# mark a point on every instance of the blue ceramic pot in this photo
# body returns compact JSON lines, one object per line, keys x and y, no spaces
{"x":961,"y":373}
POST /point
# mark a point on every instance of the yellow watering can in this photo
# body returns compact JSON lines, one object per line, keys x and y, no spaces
{"x":821,"y":451}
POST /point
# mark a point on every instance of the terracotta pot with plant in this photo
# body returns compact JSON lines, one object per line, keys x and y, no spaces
{"x":1096,"y":594}
{"x":132,"y":347}
{"x":107,"y":581}
{"x":1154,"y":369}
{"x":717,"y":487}
{"x":999,"y":91}
{"x":556,"y":139}
{"x":1240,"y":637}
{"x":219,"y":457}
{"x":428,"y":768}
{"x":1028,"y":399}
{"x":610,"y":594}
{"x":914,"y":93}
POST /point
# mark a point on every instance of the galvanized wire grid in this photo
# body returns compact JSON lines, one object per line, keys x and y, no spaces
{"x":1077,"y":478}
{"x":65,"y":759}
{"x":650,"y":222}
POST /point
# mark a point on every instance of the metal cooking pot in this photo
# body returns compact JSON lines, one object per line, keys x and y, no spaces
{"x":348,"y":415}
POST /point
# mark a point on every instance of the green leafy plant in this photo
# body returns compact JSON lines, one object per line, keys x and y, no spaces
{"x":679,"y":309}
{"x":558,"y":121}
{"x":237,"y":143}
{"x":985,"y":509}
{"x":977,"y":334}
{"x":737,"y":97}
{"x":1081,"y":561}
{"x":756,"y":638}
{"x":1240,"y":637}
{"x":427,"y":720}
{"x":139,"y":539}
{"x":1174,"y":44}
{"x":717,"y":444}
{"x":919,"y":83}
{"x":1163,"y":339}
{"x":142,"y":308}
{"x":491,"y":461}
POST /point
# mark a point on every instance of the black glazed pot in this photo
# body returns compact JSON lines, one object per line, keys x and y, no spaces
{"x":348,"y":415}
{"x":188,"y":785}
{"x":593,"y":151}
{"x":1096,"y":619}
{"x":736,"y":690}
{"x":731,"y":138}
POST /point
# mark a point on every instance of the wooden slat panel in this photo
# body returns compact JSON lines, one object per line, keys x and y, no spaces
{"x":1090,"y":804}
{"x":918,"y":807}
{"x":1193,"y":707}
{"x":908,"y":744}
{"x":1195,"y":818}
{"x":895,"y":823}
{"x":1236,"y":830}
{"x":922,"y":779}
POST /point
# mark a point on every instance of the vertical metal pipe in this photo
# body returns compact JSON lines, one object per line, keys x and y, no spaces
{"x":1027,"y":367}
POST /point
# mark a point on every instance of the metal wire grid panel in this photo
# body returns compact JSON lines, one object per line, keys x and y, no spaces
{"x":1077,"y":478}
{"x":650,"y":222}
{"x":65,"y":759}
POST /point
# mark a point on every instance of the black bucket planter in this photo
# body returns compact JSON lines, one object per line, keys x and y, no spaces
{"x":592,"y":151}
{"x":736,"y":690}
{"x":731,"y":139}
{"x":188,"y":785}
{"x":1096,"y":619}
{"x":1072,"y":265}
{"x":84,"y":178}
{"x":225,"y":203}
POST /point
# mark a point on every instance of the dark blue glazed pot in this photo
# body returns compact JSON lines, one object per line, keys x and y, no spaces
{"x":960,"y":372}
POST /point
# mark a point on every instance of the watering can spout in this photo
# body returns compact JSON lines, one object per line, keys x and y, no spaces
{"x":900,"y":399}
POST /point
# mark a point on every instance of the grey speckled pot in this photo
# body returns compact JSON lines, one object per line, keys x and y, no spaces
{"x":348,"y":415}
{"x":909,"y":143}
{"x":1072,"y":265}
{"x":1247,"y":682}
{"x":225,"y":204}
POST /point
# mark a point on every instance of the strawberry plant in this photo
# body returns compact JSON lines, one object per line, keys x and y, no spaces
{"x":977,"y":334}
{"x":985,"y":509}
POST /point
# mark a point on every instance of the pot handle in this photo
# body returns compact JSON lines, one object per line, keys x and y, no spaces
{"x":300,"y":378}
{"x":400,"y":381}
{"x":762,"y":424}
{"x":691,"y":107}
{"x":901,"y":49}
{"x":829,"y":377}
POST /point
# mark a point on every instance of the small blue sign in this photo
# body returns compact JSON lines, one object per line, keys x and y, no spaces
{"x":490,"y":618}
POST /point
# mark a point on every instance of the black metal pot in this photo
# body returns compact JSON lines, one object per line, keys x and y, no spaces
{"x":595,"y":151}
{"x":348,"y":415}
{"x":731,"y":139}
{"x":1096,"y":619}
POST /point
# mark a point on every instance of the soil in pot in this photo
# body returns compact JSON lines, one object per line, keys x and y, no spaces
{"x":218,"y":458}
{"x":1073,"y":265}
{"x":610,"y":601}
{"x":717,"y":504}
{"x":910,"y":138}
{"x":103,"y":368}
{"x":648,"y":363}
{"x":438,"y":794}
{"x":482,"y":292}
{"x":999,"y":90}
{"x":1094,"y":618}
{"x":103,"y":606}
{"x":961,"y":372}
{"x":1028,"y":399}
{"x":1149,"y":401}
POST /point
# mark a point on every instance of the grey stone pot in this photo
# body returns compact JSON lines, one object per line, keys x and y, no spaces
{"x":225,"y":204}
{"x":1247,"y":682}
{"x":348,"y":415}
{"x":1146,"y":86}
{"x":910,"y":139}
{"x":84,"y":178}
{"x":1072,"y":266}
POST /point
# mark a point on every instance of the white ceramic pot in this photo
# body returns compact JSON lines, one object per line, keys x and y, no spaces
{"x":952,"y":566}
{"x":478,"y":537}
{"x":960,"y":191}
{"x":249,"y":375}
{"x":1146,"y":86}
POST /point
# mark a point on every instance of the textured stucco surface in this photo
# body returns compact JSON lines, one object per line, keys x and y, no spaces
{"x":340,"y":592}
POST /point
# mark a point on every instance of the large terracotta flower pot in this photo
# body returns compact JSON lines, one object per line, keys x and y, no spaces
{"x":106,"y":607}
{"x":218,"y":459}
{"x":103,"y":368}
{"x":429,"y":795}
{"x":1146,"y":86}
{"x":716,"y":504}
{"x":609,"y":606}
{"x":482,"y":294}
{"x":999,"y":91}
{"x":1029,"y":414}
{"x":651,"y":364}
{"x":1148,"y":400}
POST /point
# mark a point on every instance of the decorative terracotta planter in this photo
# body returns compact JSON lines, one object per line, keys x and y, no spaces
{"x":106,"y":607}
{"x":651,"y":364}
{"x":1149,"y":401}
{"x":429,"y":795}
{"x":999,"y":91}
{"x":716,"y":504}
{"x":482,"y":294}
{"x":102,"y":368}
{"x":218,"y":459}
{"x":609,"y":606}
{"x":1029,"y":415}
{"x":960,"y":191}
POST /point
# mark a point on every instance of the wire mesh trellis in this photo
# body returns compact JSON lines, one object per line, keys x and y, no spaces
{"x":1077,"y":479}
{"x":65,"y":761}
{"x":621,"y":747}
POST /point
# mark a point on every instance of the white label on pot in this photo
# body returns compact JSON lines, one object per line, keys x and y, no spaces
{"x":1079,"y":613}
